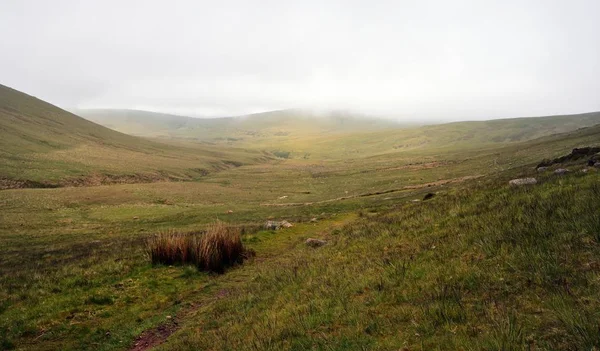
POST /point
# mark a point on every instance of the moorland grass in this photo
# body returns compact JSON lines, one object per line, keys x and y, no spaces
{"x":74,"y":273}
{"x":213,"y":250}
{"x":483,"y":267}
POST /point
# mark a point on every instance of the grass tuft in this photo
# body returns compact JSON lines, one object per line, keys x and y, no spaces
{"x":214,"y":250}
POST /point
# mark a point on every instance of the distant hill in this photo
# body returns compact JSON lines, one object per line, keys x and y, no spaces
{"x":40,"y":142}
{"x":283,"y":123}
{"x":441,"y":137}
{"x":337,"y":135}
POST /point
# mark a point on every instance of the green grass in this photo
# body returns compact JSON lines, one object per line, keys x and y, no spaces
{"x":483,"y":267}
{"x":74,"y":267}
{"x":480,"y":266}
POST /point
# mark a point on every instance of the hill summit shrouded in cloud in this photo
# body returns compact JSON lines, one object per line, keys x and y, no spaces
{"x":303,"y":132}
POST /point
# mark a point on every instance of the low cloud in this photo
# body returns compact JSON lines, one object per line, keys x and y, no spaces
{"x":402,"y":59}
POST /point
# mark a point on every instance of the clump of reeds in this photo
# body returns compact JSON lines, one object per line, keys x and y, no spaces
{"x":213,"y":250}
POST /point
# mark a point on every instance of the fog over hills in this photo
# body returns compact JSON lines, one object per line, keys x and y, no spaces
{"x":430,"y":60}
{"x":292,"y":122}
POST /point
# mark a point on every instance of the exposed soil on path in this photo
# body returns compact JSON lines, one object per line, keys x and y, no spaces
{"x":154,"y":337}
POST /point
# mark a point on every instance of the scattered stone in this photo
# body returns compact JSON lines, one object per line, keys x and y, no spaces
{"x":272,"y":225}
{"x":315,"y":242}
{"x":229,"y":211}
{"x":169,"y":317}
{"x":522,"y":181}
{"x":428,"y":196}
{"x":561,"y":171}
{"x":313,"y":220}
{"x":283,"y":197}
{"x":275,"y":225}
{"x":136,"y":217}
{"x":542,"y":169}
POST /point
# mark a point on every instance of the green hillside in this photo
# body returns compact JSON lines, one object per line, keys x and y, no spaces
{"x":242,"y":129}
{"x":43,"y":143}
{"x":435,"y":138}
{"x":301,"y":134}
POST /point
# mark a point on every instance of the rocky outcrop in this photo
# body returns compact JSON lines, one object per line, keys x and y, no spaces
{"x":576,"y":154}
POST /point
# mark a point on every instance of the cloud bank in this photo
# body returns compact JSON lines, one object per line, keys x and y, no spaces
{"x":442,"y":60}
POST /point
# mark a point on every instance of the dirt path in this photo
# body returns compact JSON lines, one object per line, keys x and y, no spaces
{"x":153,"y":337}
{"x":408,"y":187}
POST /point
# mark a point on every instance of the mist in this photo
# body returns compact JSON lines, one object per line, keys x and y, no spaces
{"x":407,"y":60}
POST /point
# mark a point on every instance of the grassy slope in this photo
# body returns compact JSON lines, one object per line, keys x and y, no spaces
{"x":337,"y":137}
{"x":433,"y":139}
{"x":243,"y":129}
{"x":41,"y":142}
{"x":480,"y":266}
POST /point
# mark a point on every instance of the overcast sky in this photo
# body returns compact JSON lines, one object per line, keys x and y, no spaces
{"x":417,"y":59}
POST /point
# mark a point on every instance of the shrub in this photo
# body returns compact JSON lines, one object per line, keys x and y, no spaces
{"x":213,"y":250}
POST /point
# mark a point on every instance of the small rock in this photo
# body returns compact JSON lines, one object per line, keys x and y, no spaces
{"x":584,"y":170}
{"x":542,"y":169}
{"x":274,"y":225}
{"x":315,"y":242}
{"x":169,"y":317}
{"x":522,"y":181}
{"x":229,"y":211}
{"x":283,"y":197}
{"x":561,"y":171}
{"x":136,"y":217}
{"x":428,"y":196}
{"x":107,"y":334}
{"x":415,"y":200}
{"x":313,"y":220}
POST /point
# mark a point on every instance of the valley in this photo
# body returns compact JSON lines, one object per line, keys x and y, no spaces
{"x":478,"y":265}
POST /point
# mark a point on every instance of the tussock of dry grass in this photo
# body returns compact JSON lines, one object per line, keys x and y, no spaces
{"x":214,"y":250}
